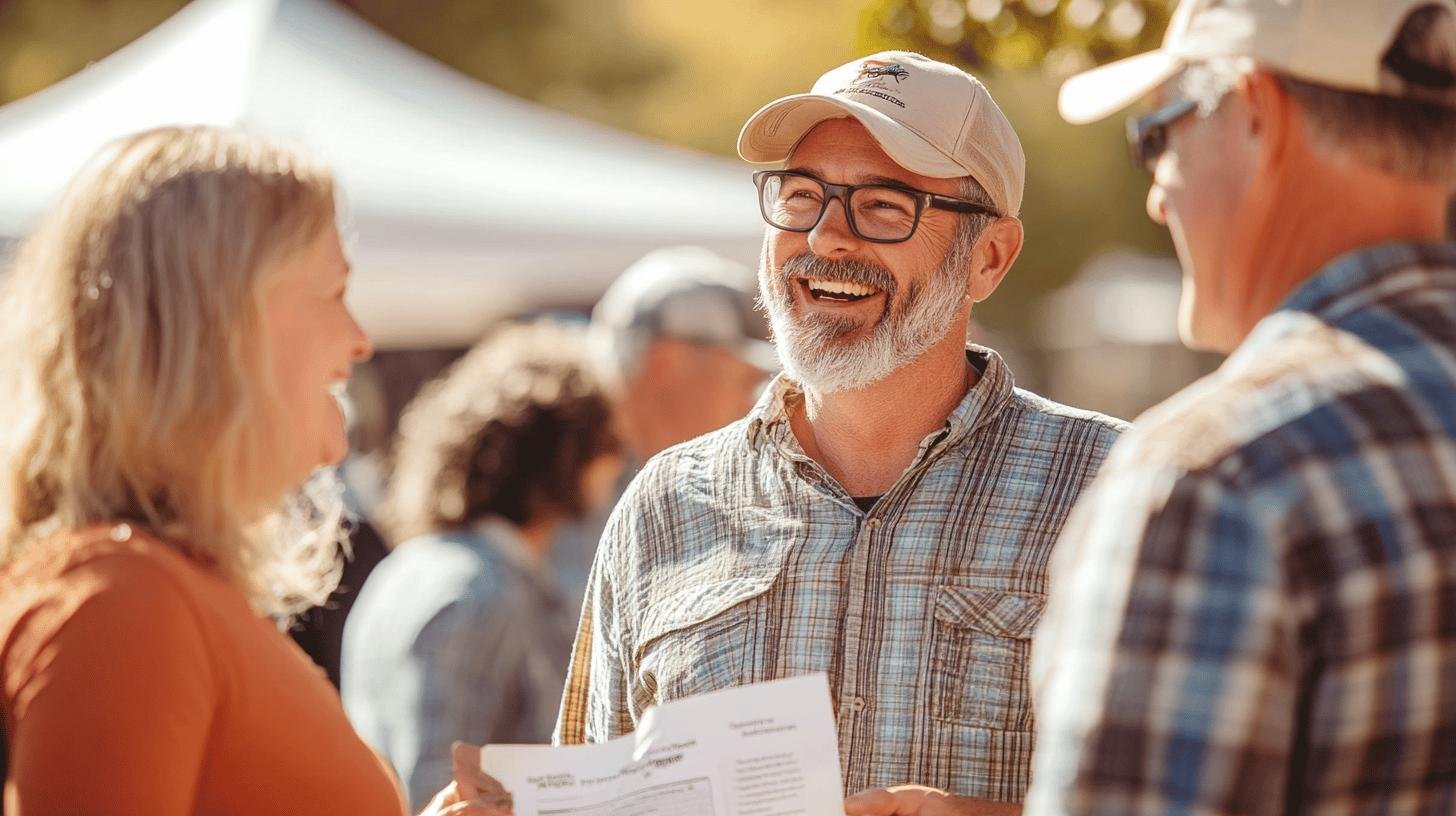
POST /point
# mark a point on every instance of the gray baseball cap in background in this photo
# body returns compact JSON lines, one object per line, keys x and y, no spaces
{"x":686,"y":293}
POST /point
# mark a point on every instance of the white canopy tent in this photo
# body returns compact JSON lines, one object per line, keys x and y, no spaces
{"x":468,"y":204}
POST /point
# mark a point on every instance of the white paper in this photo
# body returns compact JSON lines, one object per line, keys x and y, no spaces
{"x":767,"y":749}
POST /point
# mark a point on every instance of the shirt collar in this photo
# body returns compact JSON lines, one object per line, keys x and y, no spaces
{"x":769,"y":419}
{"x":502,"y":536}
{"x":1348,"y":283}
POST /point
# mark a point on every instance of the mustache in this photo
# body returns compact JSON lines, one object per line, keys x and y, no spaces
{"x":809,"y":265}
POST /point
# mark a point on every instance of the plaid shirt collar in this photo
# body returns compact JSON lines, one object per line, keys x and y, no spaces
{"x":1347,"y":284}
{"x":769,"y":419}
{"x":1358,"y":278}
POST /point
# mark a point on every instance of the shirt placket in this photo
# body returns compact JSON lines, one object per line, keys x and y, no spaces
{"x":854,"y":715}
{"x":851,"y":705}
{"x":854,"y":706}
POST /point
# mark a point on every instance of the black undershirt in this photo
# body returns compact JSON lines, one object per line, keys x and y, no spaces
{"x":978,"y":360}
{"x":865,"y":502}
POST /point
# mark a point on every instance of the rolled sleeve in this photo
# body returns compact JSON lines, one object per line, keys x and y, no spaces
{"x":594,"y":704}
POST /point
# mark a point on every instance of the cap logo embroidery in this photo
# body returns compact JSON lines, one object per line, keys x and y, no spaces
{"x":873,"y":80}
{"x":871,"y":70}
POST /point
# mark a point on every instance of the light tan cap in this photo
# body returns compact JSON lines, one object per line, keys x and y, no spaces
{"x":1339,"y":44}
{"x":931,"y":118}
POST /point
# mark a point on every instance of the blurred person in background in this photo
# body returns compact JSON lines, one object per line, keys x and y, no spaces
{"x":884,"y":513}
{"x":678,"y":346}
{"x":174,"y":331}
{"x":461,"y":633}
{"x":1253,"y":609}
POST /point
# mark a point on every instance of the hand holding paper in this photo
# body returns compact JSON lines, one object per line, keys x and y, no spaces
{"x":764,"y":749}
{"x":472,"y":793}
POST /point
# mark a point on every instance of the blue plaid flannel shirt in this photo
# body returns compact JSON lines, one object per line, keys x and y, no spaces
{"x":1253,"y":609}
{"x":735,"y":558}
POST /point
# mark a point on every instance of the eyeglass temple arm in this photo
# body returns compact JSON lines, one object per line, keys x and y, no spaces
{"x":959,"y":205}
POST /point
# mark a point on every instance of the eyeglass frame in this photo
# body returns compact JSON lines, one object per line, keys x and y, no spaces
{"x":1141,"y":130}
{"x":844,"y":192}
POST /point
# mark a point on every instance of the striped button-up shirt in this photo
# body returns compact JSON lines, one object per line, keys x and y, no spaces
{"x":735,"y":558}
{"x":459,"y":635}
{"x":1254,"y":608}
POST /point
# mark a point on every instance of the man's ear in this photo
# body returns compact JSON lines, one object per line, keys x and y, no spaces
{"x":996,"y":250}
{"x":1274,"y":118}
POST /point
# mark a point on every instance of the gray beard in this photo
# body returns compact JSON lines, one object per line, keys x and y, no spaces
{"x":818,"y":352}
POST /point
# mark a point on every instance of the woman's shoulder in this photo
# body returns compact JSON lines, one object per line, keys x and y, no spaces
{"x":105,"y":597}
{"x":118,"y":572}
{"x":132,"y":559}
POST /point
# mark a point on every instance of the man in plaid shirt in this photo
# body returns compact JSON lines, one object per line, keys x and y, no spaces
{"x":1253,"y":609}
{"x":885,"y":513}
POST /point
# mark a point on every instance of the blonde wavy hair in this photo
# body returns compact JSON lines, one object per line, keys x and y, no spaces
{"x":135,"y":356}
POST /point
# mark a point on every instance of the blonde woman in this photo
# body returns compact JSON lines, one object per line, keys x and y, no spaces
{"x":176,"y":327}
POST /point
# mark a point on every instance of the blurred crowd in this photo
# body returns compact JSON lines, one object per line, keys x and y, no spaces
{"x":502,"y":472}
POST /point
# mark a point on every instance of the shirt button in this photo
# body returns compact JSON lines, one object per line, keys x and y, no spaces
{"x":858,"y":705}
{"x":874,"y":522}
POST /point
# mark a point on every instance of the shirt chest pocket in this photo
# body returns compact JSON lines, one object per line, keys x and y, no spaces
{"x":980,"y":649}
{"x":697,"y":640}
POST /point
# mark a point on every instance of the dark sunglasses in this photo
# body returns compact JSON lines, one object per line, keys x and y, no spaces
{"x":1147,"y":136}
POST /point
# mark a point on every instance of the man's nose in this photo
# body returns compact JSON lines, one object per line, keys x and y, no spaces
{"x":1157,"y":204}
{"x":832,"y":235}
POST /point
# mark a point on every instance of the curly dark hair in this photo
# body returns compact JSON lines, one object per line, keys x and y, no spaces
{"x":507,"y":431}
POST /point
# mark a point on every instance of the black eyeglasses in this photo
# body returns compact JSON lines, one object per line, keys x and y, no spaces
{"x":878,"y":213}
{"x":1147,"y":136}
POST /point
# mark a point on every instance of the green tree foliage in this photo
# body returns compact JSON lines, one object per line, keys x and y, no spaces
{"x":44,"y":41}
{"x":1059,"y":36}
{"x":580,"y":56}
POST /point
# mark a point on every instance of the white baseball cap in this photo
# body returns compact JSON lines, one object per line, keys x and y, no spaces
{"x":1340,"y":44}
{"x":931,"y":118}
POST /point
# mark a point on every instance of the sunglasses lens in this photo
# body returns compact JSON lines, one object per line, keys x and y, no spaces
{"x":1154,"y":142}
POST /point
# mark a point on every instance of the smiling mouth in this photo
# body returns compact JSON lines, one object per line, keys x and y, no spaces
{"x":824,"y":290}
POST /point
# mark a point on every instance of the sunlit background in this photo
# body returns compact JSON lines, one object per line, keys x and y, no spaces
{"x":471,"y":206}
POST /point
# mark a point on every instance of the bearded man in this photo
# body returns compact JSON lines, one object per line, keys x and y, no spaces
{"x":885,"y":512}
